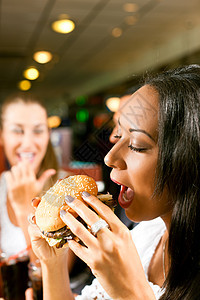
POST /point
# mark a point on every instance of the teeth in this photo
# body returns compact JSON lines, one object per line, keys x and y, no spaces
{"x":26,"y":155}
{"x":124,"y":197}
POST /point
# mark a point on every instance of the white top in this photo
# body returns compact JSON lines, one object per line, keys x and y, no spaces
{"x":12,"y":238}
{"x":146,"y":237}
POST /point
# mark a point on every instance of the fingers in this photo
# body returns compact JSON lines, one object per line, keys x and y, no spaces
{"x":34,"y":232}
{"x":26,"y":170}
{"x":77,"y":228}
{"x":15,"y":172}
{"x":19,"y":173}
{"x":82,"y":210}
{"x":29,"y":294}
{"x":103,"y":211}
{"x":31,"y":219}
{"x":80,"y":251}
{"x":46,"y":175}
{"x":89,"y":216}
{"x":35,"y":202}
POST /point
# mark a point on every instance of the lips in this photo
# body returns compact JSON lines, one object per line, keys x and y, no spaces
{"x":126,"y":195}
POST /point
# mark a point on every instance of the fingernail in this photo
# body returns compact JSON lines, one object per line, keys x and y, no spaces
{"x":69,"y":198}
{"x":85,"y":194}
{"x":31,"y":218}
{"x":35,"y":201}
{"x":62,"y":212}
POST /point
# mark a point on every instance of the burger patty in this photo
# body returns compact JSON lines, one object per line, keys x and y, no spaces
{"x":63,"y":232}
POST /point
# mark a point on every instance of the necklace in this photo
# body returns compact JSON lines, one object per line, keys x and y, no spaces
{"x":164,"y":246}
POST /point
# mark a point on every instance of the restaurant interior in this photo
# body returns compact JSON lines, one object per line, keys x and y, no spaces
{"x":81,"y":56}
{"x":78,"y":54}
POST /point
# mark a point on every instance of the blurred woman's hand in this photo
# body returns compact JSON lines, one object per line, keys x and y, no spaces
{"x":22,"y":185}
{"x":28,"y":294}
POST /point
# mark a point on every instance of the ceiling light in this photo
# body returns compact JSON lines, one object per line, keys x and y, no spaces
{"x":116,"y":32}
{"x":130,"y":7}
{"x":112,"y":103}
{"x":31,"y":73}
{"x":131,"y":20}
{"x":54,"y":121}
{"x":42,"y":57}
{"x":24,"y":85}
{"x":63,"y":25}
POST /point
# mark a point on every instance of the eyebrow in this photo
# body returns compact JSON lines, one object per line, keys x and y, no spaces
{"x":143,"y":131}
{"x":139,"y":130}
{"x":35,"y":125}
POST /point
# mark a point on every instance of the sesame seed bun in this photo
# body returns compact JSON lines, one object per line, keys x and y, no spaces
{"x":48,"y":211}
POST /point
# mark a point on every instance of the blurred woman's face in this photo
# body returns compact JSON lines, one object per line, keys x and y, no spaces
{"x":25,"y":133}
{"x":134,"y":157}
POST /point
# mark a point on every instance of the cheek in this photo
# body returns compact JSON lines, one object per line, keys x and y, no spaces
{"x":142,"y":173}
{"x":9,"y":148}
{"x":42,"y":144}
{"x":9,"y":144}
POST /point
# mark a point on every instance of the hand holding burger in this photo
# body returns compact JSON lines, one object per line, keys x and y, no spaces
{"x":47,"y":214}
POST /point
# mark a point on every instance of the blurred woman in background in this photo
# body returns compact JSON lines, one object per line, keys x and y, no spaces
{"x":25,"y":138}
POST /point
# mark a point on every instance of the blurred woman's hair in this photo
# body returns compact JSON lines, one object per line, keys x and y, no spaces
{"x":50,"y":160}
{"x":178,"y":170}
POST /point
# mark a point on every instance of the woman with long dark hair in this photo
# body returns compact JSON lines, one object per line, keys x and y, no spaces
{"x":156,"y":162}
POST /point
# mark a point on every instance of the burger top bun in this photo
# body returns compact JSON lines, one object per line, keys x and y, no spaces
{"x":48,"y":211}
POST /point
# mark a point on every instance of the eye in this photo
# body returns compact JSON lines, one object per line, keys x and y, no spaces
{"x":117,"y":136}
{"x":137,"y":149}
{"x":38,"y":131}
{"x":17,"y":130}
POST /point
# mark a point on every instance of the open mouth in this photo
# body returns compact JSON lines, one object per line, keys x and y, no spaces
{"x":126,"y":195}
{"x":26,"y":155}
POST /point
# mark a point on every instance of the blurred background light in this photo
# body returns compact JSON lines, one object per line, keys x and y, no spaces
{"x":112,"y":103}
{"x":42,"y":57}
{"x":63,"y":25}
{"x":130,"y":7}
{"x":131,"y":20}
{"x":54,"y":121}
{"x":116,"y":32}
{"x":82,"y":115}
{"x":31,"y":73}
{"x":24,"y":85}
{"x":81,"y":100}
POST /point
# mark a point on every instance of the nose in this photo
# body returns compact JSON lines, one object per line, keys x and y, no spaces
{"x":115,"y":159}
{"x":27,"y":139}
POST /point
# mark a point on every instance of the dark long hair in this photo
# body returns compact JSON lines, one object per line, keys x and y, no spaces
{"x":179,"y":171}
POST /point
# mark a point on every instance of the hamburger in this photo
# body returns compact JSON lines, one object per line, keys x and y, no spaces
{"x":47,"y":214}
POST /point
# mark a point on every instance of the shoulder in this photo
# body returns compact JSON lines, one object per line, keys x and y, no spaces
{"x":146,"y":236}
{"x":150,"y":228}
